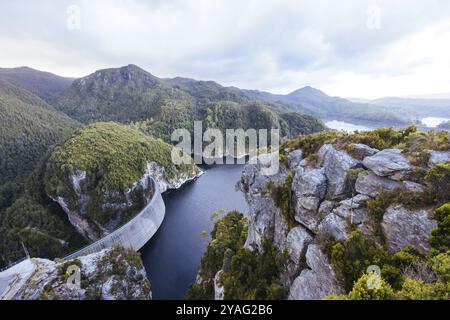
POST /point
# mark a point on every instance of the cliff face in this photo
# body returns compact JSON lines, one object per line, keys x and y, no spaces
{"x":101,"y":176}
{"x":111,"y":274}
{"x":324,"y":196}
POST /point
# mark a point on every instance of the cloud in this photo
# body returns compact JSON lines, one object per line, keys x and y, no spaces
{"x":350,"y":48}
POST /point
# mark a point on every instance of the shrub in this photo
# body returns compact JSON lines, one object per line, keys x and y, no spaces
{"x":440,"y":236}
{"x":282,"y":196}
{"x":351,"y":258}
{"x":439,"y":179}
{"x":394,"y":269}
{"x":362,"y":290}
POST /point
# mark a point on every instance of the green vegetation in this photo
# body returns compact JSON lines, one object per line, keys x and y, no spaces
{"x":246,"y":274}
{"x":121,"y":266}
{"x":382,"y":138}
{"x":114,"y":157}
{"x":158,"y":106}
{"x":43,"y":230}
{"x":282,"y":196}
{"x":413,"y":287}
{"x":351,"y":258}
{"x":439,"y":179}
{"x":440,"y":236}
{"x":45,"y":85}
{"x":28,"y":126}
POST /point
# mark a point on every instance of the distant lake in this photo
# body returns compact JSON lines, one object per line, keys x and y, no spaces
{"x":345,"y":126}
{"x":433,"y":122}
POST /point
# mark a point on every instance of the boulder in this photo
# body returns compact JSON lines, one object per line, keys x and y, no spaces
{"x":309,"y":187}
{"x":294,"y":158}
{"x":353,"y":209}
{"x":437,"y":157}
{"x":219,"y":290}
{"x":297,"y":241}
{"x":336,"y":165}
{"x":372,"y":185}
{"x":360,"y":151}
{"x":402,"y":227}
{"x":388,"y":162}
{"x":265,"y":218}
{"x":316,"y":282}
{"x":333,"y":226}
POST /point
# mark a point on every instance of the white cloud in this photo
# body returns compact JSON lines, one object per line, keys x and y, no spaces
{"x":271,"y":45}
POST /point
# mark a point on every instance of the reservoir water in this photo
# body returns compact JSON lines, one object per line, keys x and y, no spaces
{"x":172,"y":257}
{"x":345,"y":126}
{"x":433,"y":122}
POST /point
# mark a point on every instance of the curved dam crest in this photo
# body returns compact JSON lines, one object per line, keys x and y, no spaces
{"x":135,"y":233}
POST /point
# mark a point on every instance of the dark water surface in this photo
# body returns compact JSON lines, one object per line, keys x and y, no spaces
{"x":173,"y":255}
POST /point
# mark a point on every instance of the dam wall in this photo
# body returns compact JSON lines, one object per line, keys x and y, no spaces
{"x":135,"y":233}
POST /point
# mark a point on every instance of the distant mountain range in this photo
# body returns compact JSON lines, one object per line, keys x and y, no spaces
{"x":132,"y":95}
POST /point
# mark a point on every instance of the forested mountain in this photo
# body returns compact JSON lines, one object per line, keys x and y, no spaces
{"x":158,"y":106}
{"x":28,"y":126}
{"x":45,"y":85}
{"x":314,"y":102}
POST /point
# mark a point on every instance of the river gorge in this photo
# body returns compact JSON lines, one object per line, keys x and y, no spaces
{"x":172,"y":257}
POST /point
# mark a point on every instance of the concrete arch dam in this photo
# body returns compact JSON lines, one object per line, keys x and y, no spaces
{"x":135,"y":233}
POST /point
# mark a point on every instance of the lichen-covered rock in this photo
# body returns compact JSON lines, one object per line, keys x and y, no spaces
{"x":265,"y":219}
{"x":297,"y":241}
{"x":333,"y":226}
{"x":372,"y":185}
{"x":316,"y":282}
{"x":402,"y":227}
{"x":111,"y":274}
{"x":360,"y":151}
{"x":437,"y":157}
{"x":336,"y":165}
{"x":353,"y":209}
{"x":295,"y":157}
{"x":219,"y":290}
{"x":388,"y":162}
{"x":309,"y":187}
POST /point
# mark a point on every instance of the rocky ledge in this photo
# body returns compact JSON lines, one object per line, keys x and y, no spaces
{"x":111,"y":274}
{"x":327,"y":194}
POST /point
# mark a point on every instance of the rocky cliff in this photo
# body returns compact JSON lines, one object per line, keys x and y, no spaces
{"x":101,"y":176}
{"x":111,"y":274}
{"x":341,"y":203}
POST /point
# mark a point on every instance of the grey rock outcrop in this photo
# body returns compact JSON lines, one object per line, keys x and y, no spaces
{"x":333,"y":226}
{"x":297,"y":241}
{"x":361,"y":151}
{"x":116,"y":204}
{"x":336,"y":165}
{"x":295,"y":157}
{"x":402,"y":227}
{"x":265,"y":218}
{"x":437,"y":157}
{"x":388,"y":162}
{"x":372,"y":185}
{"x":316,"y":282}
{"x":309,"y":187}
{"x":49,"y":282}
{"x":219,"y":290}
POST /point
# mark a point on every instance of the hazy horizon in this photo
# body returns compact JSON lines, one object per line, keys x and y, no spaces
{"x":360,"y":49}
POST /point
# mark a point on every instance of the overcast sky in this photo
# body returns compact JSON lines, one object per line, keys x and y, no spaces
{"x":353,"y":48}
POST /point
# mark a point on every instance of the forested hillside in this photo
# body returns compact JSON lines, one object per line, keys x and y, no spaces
{"x":28,"y":126}
{"x":158,"y":106}
{"x":45,"y":85}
